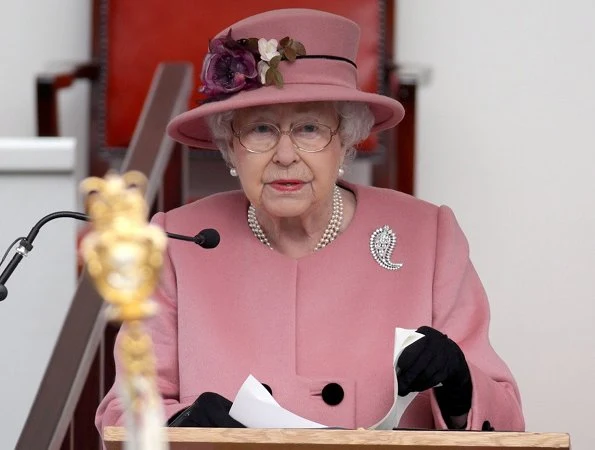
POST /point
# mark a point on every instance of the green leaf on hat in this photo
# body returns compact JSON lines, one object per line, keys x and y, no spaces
{"x":299,"y":48}
{"x":278,"y":78}
{"x":275,"y":61}
{"x":273,"y":76}
{"x":290,"y":54}
{"x":269,"y":77}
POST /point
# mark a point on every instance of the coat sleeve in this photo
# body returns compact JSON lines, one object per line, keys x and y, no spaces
{"x":163,"y":331}
{"x":461,"y":310}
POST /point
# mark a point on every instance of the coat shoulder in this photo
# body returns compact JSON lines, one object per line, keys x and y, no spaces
{"x":391,"y":202}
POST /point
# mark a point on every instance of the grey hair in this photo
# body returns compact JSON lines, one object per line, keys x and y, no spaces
{"x":356,"y":122}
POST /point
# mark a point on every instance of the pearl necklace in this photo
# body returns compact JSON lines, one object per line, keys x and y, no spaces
{"x":329,"y":235}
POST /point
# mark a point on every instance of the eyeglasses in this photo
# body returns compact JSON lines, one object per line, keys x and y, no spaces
{"x":261,"y":137}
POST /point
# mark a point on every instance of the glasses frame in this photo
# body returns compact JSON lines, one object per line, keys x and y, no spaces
{"x":288,"y":133}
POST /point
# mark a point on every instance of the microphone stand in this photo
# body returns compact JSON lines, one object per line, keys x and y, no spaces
{"x":207,"y":238}
{"x":26,"y":245}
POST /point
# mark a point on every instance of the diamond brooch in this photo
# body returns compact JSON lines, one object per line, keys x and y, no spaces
{"x":382,"y":245}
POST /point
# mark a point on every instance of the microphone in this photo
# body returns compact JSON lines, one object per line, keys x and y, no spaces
{"x":207,"y":238}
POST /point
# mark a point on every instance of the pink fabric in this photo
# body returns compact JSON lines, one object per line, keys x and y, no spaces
{"x":306,"y":80}
{"x":297,"y":325}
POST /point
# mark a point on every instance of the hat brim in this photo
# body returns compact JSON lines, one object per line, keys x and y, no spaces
{"x":190,"y":128}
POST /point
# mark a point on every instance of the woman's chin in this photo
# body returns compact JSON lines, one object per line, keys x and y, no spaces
{"x":285,"y":209}
{"x":285,"y":203}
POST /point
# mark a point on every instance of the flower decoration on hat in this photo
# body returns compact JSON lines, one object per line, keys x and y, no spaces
{"x":233,"y":65}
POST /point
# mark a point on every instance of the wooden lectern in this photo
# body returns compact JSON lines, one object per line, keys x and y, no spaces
{"x":308,"y":439}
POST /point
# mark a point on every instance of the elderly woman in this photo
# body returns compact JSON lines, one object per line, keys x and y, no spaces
{"x":313,"y":274}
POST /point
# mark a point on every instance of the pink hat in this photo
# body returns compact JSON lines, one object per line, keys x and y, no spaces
{"x":239,"y":71}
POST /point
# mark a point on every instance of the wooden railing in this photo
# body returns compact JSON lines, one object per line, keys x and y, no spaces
{"x":51,"y":415}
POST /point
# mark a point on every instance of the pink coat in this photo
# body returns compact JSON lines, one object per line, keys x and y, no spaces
{"x":298,"y":325}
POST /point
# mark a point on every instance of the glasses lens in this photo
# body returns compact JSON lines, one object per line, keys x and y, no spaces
{"x":259,"y":137}
{"x":311,"y":136}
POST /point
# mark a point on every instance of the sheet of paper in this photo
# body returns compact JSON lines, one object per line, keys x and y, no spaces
{"x":403,"y":338}
{"x":254,"y":407}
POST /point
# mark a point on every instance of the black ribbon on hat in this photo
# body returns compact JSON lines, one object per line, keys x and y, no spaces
{"x":335,"y":58}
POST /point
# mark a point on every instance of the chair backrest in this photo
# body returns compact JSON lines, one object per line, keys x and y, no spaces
{"x":134,"y":37}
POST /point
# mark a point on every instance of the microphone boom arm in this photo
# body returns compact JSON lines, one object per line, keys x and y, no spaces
{"x":208,"y":238}
{"x":26,"y":245}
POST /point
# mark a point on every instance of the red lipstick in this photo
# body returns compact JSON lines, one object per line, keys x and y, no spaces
{"x":287,"y":185}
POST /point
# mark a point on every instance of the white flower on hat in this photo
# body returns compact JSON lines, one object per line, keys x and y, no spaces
{"x":268,"y":49}
{"x":263,"y":67}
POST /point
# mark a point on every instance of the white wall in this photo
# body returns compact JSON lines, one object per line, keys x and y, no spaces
{"x":40,"y":35}
{"x":506,"y":131}
{"x":35,"y":34}
{"x":36,"y":178}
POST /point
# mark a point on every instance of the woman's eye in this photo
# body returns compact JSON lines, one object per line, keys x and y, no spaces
{"x":262,"y":128}
{"x":307,"y":128}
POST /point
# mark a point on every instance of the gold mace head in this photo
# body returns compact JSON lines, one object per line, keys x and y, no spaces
{"x":123,"y":252}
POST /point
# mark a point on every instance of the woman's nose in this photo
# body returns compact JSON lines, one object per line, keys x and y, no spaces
{"x":286,"y":152}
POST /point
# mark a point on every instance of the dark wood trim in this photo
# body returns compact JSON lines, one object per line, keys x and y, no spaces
{"x":389,"y":30}
{"x":48,"y":85}
{"x":84,"y":433}
{"x":173,"y":184}
{"x":96,"y":22}
{"x":107,"y":351}
{"x":67,"y":443}
{"x":100,"y":159}
{"x":384,"y":169}
{"x":405,"y":140}
{"x":83,"y":329}
{"x":397,"y":170}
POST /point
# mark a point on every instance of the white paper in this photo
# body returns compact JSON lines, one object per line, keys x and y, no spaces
{"x":254,"y":407}
{"x":403,"y":338}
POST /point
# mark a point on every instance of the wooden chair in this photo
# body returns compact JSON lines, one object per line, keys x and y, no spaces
{"x":130,"y":42}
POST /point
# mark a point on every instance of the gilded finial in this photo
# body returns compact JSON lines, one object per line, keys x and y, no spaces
{"x":124,"y":256}
{"x":123,"y":252}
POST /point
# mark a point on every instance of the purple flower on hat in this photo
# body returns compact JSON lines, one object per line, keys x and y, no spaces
{"x":232,"y":65}
{"x":228,"y":67}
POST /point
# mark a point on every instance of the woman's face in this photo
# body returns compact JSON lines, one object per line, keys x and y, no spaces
{"x":285,"y":181}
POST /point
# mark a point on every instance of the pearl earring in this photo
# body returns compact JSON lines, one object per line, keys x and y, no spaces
{"x":233,"y":172}
{"x":341,"y":172}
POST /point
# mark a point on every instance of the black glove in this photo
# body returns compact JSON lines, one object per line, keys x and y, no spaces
{"x":436,"y":359}
{"x":208,"y":410}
